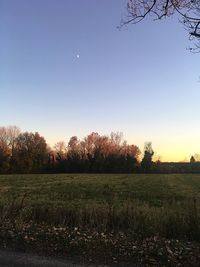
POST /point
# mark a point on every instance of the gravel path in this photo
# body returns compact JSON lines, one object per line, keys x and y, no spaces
{"x":18,"y":259}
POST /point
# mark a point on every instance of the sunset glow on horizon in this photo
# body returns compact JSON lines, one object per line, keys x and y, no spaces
{"x":67,"y":70}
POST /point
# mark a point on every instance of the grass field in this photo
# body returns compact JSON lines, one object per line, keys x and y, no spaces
{"x":144,"y":204}
{"x":151,"y":220}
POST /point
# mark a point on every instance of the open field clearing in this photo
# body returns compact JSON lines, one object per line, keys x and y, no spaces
{"x":124,"y":215}
{"x":145,"y":204}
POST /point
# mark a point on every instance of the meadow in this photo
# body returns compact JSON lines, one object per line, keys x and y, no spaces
{"x":137,"y":204}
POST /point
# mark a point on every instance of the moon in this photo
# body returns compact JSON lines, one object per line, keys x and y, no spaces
{"x":78,"y":56}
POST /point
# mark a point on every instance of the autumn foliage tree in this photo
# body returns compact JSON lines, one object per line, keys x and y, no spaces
{"x":96,"y":153}
{"x":8,"y":137}
{"x":27,"y":152}
{"x":30,"y":153}
{"x":21,"y":152}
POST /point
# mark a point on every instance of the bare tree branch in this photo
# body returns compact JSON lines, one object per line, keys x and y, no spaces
{"x":188,"y":10}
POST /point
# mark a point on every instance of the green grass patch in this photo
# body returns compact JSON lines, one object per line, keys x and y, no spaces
{"x":139,"y":204}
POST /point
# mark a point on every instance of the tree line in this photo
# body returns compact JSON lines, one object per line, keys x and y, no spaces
{"x":27,"y":152}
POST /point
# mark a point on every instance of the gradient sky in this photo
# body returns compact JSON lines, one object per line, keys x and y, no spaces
{"x":140,"y":80}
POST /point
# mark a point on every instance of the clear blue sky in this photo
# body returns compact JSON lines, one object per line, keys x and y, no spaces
{"x":140,"y":80}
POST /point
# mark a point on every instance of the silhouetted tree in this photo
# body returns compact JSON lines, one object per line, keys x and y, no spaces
{"x":192,"y":159}
{"x":147,"y":162}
